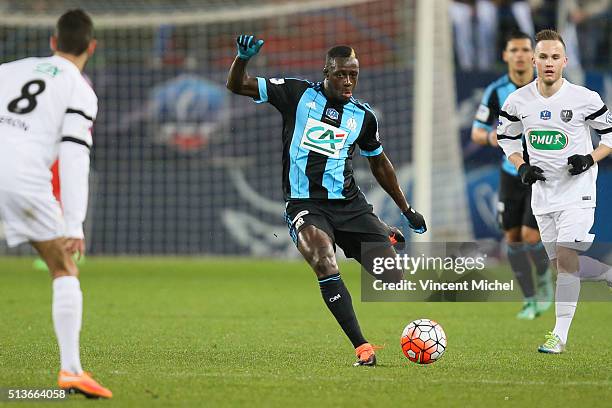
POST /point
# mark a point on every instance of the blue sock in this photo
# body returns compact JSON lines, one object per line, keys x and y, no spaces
{"x":539,"y":257}
{"x":519,"y":262}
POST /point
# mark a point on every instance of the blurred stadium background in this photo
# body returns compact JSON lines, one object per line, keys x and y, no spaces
{"x":181,"y":166}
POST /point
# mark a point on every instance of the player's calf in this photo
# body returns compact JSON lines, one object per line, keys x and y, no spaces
{"x":58,"y":260}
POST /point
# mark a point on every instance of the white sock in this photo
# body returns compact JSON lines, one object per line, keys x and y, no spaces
{"x":593,"y":270}
{"x":67,"y":310}
{"x":566,"y":299}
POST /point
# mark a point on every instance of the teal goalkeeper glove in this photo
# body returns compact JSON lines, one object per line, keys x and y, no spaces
{"x":248,"y":46}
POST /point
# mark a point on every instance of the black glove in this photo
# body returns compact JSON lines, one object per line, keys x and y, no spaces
{"x":416,"y":222}
{"x":530,"y":174}
{"x":579,"y":163}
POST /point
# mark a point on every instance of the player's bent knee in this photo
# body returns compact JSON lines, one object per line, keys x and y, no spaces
{"x":324,"y":264}
{"x":530,"y":236}
{"x":567,"y":260}
{"x":59,"y":262}
{"x":513,"y":235}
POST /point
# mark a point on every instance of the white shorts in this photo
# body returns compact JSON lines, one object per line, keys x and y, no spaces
{"x":566,"y":228}
{"x":30,"y":218}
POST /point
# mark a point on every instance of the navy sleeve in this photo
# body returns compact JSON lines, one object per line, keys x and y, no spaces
{"x":282,"y":93}
{"x":369,"y":139}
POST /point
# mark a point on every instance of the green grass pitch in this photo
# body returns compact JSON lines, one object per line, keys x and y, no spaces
{"x":230,"y":332}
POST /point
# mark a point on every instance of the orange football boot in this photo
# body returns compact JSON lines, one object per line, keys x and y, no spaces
{"x":83,"y":384}
{"x":366,"y":356}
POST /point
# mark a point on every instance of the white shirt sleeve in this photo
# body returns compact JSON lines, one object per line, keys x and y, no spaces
{"x":510,"y":129}
{"x":74,"y":177}
{"x":600,"y":119}
{"x":74,"y":150}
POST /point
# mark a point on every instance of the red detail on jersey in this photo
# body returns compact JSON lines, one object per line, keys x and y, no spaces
{"x":55,"y":181}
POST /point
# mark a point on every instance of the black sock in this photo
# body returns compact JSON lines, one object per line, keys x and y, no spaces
{"x":539,"y":257}
{"x":338,"y":300}
{"x":519,"y":261}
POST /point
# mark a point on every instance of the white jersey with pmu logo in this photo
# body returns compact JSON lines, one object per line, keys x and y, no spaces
{"x":554,"y":129}
{"x":44,"y":102}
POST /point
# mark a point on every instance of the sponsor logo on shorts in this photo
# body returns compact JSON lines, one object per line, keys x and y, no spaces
{"x":547,"y":140}
{"x":586,"y":198}
{"x":298,"y":218}
{"x":333,"y":299}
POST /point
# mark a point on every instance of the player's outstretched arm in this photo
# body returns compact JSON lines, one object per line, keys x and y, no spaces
{"x":238,"y":81}
{"x":383,"y":171}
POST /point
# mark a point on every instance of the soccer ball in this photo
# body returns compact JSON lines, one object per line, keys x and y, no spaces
{"x":423,"y":341}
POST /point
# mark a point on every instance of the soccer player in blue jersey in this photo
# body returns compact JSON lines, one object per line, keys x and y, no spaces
{"x":514,"y":207}
{"x":322,"y":126}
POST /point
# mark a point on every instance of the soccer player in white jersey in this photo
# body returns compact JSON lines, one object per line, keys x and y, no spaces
{"x":47,"y":110}
{"x":555,"y":115}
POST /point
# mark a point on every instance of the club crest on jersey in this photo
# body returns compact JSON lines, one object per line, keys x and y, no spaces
{"x":545,"y":115}
{"x":323,"y":138}
{"x":566,"y":115}
{"x":332,"y":114}
{"x":351,"y":124}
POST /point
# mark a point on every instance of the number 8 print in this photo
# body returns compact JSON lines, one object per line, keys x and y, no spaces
{"x":14,"y":107}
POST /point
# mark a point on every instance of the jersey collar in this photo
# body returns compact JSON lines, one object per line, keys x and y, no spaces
{"x":66,"y":63}
{"x":553,"y":96}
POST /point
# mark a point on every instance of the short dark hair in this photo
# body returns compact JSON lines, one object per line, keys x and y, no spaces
{"x":545,"y":35}
{"x":339,"y":51}
{"x":74,"y":31}
{"x":518,"y":35}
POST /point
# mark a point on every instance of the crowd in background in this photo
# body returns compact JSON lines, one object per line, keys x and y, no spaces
{"x":481,"y":25}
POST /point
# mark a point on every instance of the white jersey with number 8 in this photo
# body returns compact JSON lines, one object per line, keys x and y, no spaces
{"x":44,"y":102}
